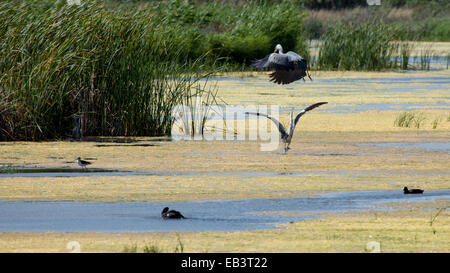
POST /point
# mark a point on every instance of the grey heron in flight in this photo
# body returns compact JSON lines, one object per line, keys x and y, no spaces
{"x":288,"y":67}
{"x":286,"y":136}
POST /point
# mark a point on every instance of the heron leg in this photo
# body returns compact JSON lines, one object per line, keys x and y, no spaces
{"x":309,"y":75}
{"x":286,"y":147}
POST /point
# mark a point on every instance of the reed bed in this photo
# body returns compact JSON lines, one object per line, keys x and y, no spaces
{"x":119,"y":71}
{"x":425,"y":57}
{"x":369,"y":46}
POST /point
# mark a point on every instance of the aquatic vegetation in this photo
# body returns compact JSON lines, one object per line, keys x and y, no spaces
{"x":437,"y":121}
{"x":152,"y":248}
{"x":195,"y":110}
{"x":409,"y":119}
{"x":119,"y":71}
{"x":180,"y":246}
{"x":448,"y":59}
{"x":433,"y":218}
{"x":405,"y":53}
{"x":130,"y":248}
{"x":368,"y":46}
{"x":425,"y":57}
{"x":416,"y":20}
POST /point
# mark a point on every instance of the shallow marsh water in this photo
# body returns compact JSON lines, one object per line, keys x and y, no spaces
{"x":223,"y":215}
{"x":437,"y":146}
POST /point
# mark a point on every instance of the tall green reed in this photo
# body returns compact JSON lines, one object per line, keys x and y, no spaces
{"x":425,"y":57}
{"x":369,"y":46}
{"x":121,"y":71}
{"x":405,"y":53}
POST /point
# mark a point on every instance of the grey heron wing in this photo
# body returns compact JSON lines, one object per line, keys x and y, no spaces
{"x":286,"y":77}
{"x":261,"y":63}
{"x":277,"y":123}
{"x":301,"y":63}
{"x":309,"y":108}
{"x":279,"y":61}
{"x":293,"y":57}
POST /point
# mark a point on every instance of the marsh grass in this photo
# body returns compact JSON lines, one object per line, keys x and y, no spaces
{"x":130,"y":248}
{"x":405,"y":53}
{"x":152,"y":247}
{"x":196,"y":109}
{"x":410,"y":119}
{"x":119,"y":71}
{"x":436,"y":121}
{"x":448,"y":59}
{"x":367,"y":46}
{"x":425,"y":57}
{"x":434,"y":217}
{"x":180,"y":246}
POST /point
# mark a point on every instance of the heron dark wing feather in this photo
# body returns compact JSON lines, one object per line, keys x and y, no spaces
{"x":261,"y":63}
{"x":315,"y":105}
{"x":285,"y":77}
{"x":277,"y":123}
{"x":309,"y":108}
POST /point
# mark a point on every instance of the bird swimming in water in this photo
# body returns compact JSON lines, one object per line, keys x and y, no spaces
{"x":286,"y":136}
{"x":289,"y":67}
{"x":171,"y":214}
{"x":412,"y":191}
{"x":83,"y":163}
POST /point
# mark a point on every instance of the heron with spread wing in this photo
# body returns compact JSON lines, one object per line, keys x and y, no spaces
{"x":286,"y":136}
{"x":289,"y":67}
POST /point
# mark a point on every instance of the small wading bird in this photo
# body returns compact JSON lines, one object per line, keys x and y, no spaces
{"x":171,"y":214}
{"x":83,"y":163}
{"x":286,"y":136}
{"x":412,"y":191}
{"x":289,"y":67}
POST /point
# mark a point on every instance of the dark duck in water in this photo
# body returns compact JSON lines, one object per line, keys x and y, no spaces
{"x":171,"y":214}
{"x":412,"y":191}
